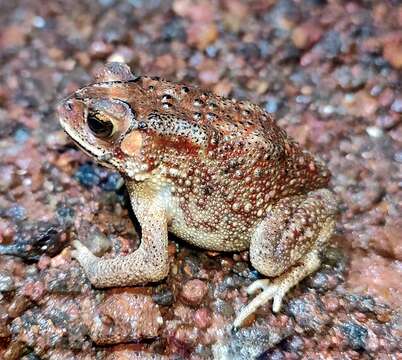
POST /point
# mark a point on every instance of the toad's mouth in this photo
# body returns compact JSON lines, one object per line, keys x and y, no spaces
{"x":99,"y":155}
{"x":100,"y":159}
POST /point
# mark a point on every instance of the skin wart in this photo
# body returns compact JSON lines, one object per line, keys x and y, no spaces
{"x":216,"y":172}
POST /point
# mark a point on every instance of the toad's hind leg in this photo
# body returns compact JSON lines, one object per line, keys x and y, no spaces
{"x":286,"y":246}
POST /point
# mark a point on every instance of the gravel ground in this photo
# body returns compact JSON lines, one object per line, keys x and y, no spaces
{"x":330,"y":71}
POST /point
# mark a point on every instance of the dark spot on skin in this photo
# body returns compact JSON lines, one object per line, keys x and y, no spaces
{"x":212,"y":106}
{"x":197,"y":116}
{"x":211,"y":116}
{"x":198,"y":102}
{"x":208,"y":190}
{"x":166,"y":97}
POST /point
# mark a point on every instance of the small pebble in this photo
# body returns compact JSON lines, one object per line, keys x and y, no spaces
{"x":162,"y":295}
{"x":272,"y":105}
{"x":87,"y":175}
{"x":374,"y":132}
{"x":397,"y":105}
{"x":194,"y":291}
{"x":6,"y":282}
{"x":356,"y":334}
{"x":202,"y":318}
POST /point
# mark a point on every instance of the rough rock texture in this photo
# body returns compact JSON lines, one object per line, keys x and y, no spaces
{"x":124,"y":317}
{"x":330,"y":73}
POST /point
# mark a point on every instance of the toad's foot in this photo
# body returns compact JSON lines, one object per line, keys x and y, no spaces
{"x":276,"y":291}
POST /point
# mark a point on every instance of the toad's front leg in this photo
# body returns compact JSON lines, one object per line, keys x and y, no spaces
{"x":148,"y":263}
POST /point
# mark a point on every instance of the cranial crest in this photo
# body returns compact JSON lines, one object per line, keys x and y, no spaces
{"x":114,"y":71}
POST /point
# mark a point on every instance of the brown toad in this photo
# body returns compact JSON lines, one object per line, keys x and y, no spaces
{"x":218,"y":173}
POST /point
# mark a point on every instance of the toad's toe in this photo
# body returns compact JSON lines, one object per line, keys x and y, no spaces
{"x":261,"y":284}
{"x":82,"y":254}
{"x":272,"y":291}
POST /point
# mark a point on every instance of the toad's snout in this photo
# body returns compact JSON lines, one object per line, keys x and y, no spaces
{"x":70,"y":111}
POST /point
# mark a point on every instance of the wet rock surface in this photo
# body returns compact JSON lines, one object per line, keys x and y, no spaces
{"x":330,"y":73}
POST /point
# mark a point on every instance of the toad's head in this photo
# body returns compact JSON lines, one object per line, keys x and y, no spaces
{"x":102,"y":120}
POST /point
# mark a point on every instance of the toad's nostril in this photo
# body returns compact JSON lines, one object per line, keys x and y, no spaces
{"x":68,"y":105}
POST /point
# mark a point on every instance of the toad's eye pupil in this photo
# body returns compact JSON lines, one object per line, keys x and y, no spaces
{"x":100,"y":128}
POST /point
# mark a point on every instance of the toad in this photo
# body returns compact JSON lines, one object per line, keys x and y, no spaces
{"x":218,"y":173}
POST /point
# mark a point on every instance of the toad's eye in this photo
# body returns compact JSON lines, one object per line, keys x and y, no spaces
{"x":100,"y":128}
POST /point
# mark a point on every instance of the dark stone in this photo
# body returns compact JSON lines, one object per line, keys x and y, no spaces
{"x":336,"y":259}
{"x":59,"y":281}
{"x":272,"y":355}
{"x":250,"y":50}
{"x":365,"y":304}
{"x":315,"y":2}
{"x":162,"y":295}
{"x":113,"y":182}
{"x":232,"y":281}
{"x":65,"y":214}
{"x":309,"y":313}
{"x":16,"y":213}
{"x":34,"y":239}
{"x":192,"y":265}
{"x":87,"y":175}
{"x":355,"y":334}
{"x":174,"y":30}
{"x":331,"y":44}
{"x":240,"y":268}
{"x":256,"y":342}
{"x":254,"y":275}
{"x":31,"y":356}
{"x":294,"y":344}
{"x":266,"y":48}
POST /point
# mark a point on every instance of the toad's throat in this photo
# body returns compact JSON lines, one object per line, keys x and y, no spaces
{"x":101,"y":158}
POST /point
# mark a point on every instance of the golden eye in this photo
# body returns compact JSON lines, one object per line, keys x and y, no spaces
{"x":99,"y":127}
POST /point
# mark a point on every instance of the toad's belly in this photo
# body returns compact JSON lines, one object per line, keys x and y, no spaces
{"x":217,"y":239}
{"x":204,"y":227}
